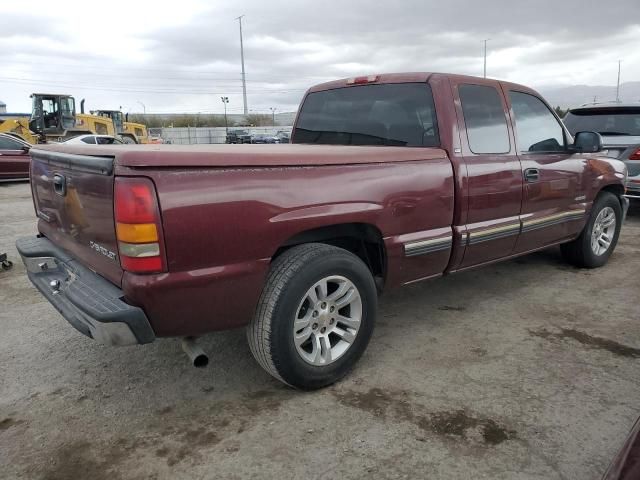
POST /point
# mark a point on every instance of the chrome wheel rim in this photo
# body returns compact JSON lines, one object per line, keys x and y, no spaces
{"x":327,"y":320}
{"x":603,"y":231}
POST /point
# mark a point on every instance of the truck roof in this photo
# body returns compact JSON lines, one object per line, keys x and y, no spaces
{"x":223,"y":155}
{"x":409,"y":77}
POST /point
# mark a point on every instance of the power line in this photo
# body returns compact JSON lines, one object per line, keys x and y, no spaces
{"x":172,"y":91}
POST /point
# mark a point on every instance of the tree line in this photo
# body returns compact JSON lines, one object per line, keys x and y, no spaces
{"x":199,"y":120}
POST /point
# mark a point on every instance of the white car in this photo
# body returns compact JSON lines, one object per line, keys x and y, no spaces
{"x":94,"y":140}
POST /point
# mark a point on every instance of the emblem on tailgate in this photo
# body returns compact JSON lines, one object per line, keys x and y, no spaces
{"x":100,"y":249}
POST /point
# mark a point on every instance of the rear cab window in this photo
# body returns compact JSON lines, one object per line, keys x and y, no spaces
{"x":485,"y":119}
{"x":401,"y":114}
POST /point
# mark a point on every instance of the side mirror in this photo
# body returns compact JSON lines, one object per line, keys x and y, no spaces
{"x":587,"y":142}
{"x":26,"y":148}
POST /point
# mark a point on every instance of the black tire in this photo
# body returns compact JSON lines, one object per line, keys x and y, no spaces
{"x":579,"y":252}
{"x":128,"y":140}
{"x":270,"y":333}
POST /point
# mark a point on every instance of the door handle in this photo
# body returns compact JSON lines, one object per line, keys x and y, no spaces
{"x":60,"y":185}
{"x":531,"y":175}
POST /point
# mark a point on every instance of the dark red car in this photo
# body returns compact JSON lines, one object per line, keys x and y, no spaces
{"x":14,"y":158}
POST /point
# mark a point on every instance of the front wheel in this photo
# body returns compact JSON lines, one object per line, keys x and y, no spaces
{"x":597,"y":241}
{"x":315,"y":316}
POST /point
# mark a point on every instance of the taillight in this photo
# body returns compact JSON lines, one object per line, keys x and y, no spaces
{"x":635,"y":155}
{"x":362,"y":80}
{"x":138,"y":226}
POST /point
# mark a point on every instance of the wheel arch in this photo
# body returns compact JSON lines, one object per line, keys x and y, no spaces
{"x":616,"y":188}
{"x":362,"y":239}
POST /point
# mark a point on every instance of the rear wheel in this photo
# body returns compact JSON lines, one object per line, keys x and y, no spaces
{"x":597,"y":241}
{"x":126,"y":139}
{"x":315,"y":316}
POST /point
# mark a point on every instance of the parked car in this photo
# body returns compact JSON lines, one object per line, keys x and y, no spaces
{"x":94,"y":140}
{"x":283,"y":136}
{"x":14,"y":158}
{"x":390,"y":180}
{"x":238,"y":136}
{"x":626,"y":464}
{"x":619,"y":125}
{"x":264,"y":138}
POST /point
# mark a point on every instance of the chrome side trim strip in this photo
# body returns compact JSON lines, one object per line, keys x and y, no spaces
{"x":494,"y":233}
{"x":550,"y":220}
{"x":422,"y":247}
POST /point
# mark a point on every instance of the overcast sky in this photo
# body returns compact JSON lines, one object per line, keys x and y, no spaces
{"x":182,"y":56}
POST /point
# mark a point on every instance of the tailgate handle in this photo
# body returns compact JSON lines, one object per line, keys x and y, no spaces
{"x":60,"y":185}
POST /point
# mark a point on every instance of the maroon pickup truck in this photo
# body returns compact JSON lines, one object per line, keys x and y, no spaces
{"x":390,"y":180}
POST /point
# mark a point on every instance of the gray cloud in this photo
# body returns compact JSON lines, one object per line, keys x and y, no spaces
{"x":291,"y":45}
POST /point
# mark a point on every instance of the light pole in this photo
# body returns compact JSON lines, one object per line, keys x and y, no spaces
{"x":485,"y":57}
{"x":273,"y":115}
{"x":618,"y":85}
{"x":225,"y":100}
{"x":144,"y":108}
{"x":244,"y":79}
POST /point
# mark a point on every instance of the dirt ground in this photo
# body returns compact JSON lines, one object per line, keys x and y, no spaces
{"x":528,"y":369}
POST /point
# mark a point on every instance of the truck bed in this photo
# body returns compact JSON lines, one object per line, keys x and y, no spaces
{"x":247,"y":155}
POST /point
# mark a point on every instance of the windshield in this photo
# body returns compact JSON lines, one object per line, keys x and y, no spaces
{"x":391,"y":114}
{"x":606,"y":121}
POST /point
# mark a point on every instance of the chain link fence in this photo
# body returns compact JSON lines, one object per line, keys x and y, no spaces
{"x":195,"y":135}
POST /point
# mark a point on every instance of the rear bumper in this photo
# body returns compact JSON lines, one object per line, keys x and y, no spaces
{"x":93,"y":305}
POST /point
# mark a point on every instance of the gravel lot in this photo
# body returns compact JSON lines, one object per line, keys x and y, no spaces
{"x":526,"y":369}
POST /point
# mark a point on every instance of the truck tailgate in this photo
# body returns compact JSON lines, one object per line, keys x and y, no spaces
{"x":73,"y":198}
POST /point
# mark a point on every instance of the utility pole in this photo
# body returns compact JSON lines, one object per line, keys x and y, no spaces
{"x":485,"y":57}
{"x":225,"y":100}
{"x":618,"y":85}
{"x":244,"y":79}
{"x":273,"y":115}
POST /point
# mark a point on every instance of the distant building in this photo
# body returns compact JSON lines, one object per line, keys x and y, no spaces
{"x":3,"y":107}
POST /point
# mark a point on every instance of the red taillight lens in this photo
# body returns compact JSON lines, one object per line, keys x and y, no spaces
{"x":635,"y":155}
{"x":138,"y":226}
{"x":135,"y":201}
{"x":362,"y":80}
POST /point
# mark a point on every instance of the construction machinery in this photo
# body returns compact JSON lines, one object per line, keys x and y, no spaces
{"x":129,"y":132}
{"x":18,"y":126}
{"x":54,"y":118}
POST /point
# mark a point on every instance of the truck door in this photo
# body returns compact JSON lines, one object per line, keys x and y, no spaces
{"x":494,"y":174}
{"x":553,"y":203}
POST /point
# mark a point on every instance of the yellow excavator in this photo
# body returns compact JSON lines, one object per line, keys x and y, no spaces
{"x":129,"y":132}
{"x":54,"y":119}
{"x":18,"y":127}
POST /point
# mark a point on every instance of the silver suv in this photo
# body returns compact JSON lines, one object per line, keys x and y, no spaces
{"x":619,"y":125}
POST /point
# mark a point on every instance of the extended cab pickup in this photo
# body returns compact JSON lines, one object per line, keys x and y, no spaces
{"x":391,"y":179}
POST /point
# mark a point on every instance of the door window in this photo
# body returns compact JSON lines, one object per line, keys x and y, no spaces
{"x":9,"y":144}
{"x":537,"y":128}
{"x":484,"y":118}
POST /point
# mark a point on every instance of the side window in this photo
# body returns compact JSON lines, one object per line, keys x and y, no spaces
{"x":536,"y":127}
{"x":9,"y":144}
{"x":484,"y":118}
{"x":91,"y":140}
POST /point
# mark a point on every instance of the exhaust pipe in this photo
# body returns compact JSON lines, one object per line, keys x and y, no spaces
{"x":82,"y":106}
{"x":196,"y":355}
